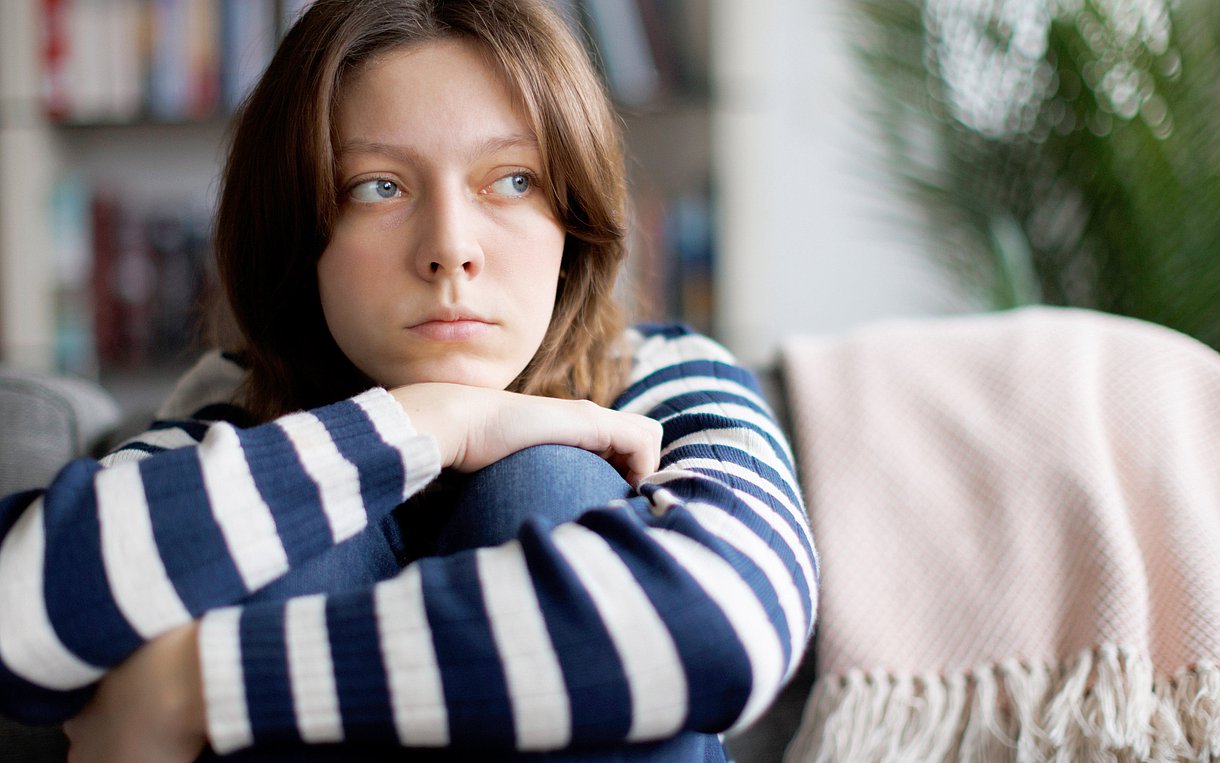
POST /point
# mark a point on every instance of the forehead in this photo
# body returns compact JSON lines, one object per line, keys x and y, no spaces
{"x":450,"y":87}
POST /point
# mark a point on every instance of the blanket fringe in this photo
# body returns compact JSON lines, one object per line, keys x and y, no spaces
{"x":1106,"y":704}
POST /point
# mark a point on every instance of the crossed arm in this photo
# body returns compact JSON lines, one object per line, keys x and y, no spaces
{"x":695,"y":598}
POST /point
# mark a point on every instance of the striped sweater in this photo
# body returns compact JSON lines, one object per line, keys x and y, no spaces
{"x":683,"y":608}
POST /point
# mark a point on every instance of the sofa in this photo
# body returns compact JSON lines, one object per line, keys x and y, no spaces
{"x":1018,"y":517}
{"x":47,"y":420}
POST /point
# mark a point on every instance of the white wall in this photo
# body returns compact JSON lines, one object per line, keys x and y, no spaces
{"x":811,"y":239}
{"x":26,"y":310}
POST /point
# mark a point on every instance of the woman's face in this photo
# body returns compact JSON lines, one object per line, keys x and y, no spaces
{"x":444,"y":258}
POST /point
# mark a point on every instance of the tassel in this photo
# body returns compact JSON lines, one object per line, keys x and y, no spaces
{"x":1168,"y":736}
{"x":983,"y":737}
{"x":1197,"y":698}
{"x":919,"y":733}
{"x":1064,"y":718}
{"x":1120,"y":705}
{"x":1104,"y":705}
{"x":1026,"y":688}
{"x":902,"y":711}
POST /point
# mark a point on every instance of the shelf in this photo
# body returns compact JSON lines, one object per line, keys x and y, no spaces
{"x":60,"y":174}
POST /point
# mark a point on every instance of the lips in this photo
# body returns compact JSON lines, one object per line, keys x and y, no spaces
{"x":450,"y":325}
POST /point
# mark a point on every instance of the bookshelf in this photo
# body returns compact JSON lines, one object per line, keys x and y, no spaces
{"x":111,"y":143}
{"x":113,"y":114}
{"x":27,"y":165}
{"x":654,"y":56}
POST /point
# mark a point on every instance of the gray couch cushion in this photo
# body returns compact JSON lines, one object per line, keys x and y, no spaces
{"x":47,"y":421}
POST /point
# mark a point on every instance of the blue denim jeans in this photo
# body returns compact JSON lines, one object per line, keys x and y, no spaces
{"x":551,"y":483}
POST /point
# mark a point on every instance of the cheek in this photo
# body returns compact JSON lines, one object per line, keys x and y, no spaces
{"x":355,"y":262}
{"x":340,"y":276}
{"x":331,"y":283}
{"x":535,"y":274}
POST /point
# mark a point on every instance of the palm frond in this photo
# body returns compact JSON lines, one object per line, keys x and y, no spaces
{"x":1063,"y":151}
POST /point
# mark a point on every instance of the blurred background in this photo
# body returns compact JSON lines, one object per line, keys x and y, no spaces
{"x":798,"y":166}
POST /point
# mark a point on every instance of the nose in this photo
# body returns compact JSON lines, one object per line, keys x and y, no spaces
{"x":449,"y":243}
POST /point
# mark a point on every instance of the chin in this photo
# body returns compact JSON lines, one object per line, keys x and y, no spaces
{"x":468,"y":374}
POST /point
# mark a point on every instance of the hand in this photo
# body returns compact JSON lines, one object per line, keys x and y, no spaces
{"x":475,"y":427}
{"x":148,"y":709}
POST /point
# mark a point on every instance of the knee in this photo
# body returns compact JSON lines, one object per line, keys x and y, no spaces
{"x":553,"y":470}
{"x":553,"y":483}
{"x":540,"y":460}
{"x":557,"y":454}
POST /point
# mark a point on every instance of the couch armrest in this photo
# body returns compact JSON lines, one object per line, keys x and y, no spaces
{"x":49,"y":420}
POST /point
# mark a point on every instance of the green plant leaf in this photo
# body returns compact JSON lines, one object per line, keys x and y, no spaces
{"x":1066,"y":152}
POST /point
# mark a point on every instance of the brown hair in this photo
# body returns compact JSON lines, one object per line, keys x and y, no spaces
{"x":278,"y":196}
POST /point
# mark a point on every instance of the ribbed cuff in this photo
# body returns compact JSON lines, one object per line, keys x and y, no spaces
{"x":336,"y":469}
{"x":224,"y":688}
{"x":311,"y":670}
{"x":421,"y":457}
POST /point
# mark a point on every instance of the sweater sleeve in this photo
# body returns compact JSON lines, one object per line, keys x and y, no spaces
{"x":183,"y":519}
{"x":683,"y":608}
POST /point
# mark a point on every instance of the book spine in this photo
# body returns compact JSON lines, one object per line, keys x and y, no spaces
{"x":248,"y":42}
{"x":625,"y":53}
{"x":55,"y":88}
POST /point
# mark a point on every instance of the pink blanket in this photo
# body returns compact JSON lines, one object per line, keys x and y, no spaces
{"x":1019,"y":522}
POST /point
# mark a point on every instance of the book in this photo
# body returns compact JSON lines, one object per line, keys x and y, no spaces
{"x":248,"y":38}
{"x":290,"y":11}
{"x":56,"y":96}
{"x":183,"y":59}
{"x":71,"y":239}
{"x":620,"y":37}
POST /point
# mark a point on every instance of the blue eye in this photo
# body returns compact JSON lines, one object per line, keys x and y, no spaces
{"x":516,"y":184}
{"x":378,"y":189}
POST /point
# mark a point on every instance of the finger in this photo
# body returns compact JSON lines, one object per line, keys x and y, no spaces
{"x":77,"y":727}
{"x":638,"y":452}
{"x":639,"y":467}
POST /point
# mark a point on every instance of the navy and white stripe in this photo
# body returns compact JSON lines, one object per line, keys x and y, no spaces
{"x":311,"y":671}
{"x":185,"y":518}
{"x":541,"y":711}
{"x":682,"y":609}
{"x":628,"y":625}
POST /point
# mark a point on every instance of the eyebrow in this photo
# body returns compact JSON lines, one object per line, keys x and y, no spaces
{"x":410,"y":155}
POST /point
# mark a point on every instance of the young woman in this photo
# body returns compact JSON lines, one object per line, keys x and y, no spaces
{"x":441,"y":498}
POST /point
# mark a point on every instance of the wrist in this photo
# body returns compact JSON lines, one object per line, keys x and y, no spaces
{"x":186,"y":700}
{"x":426,"y":408}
